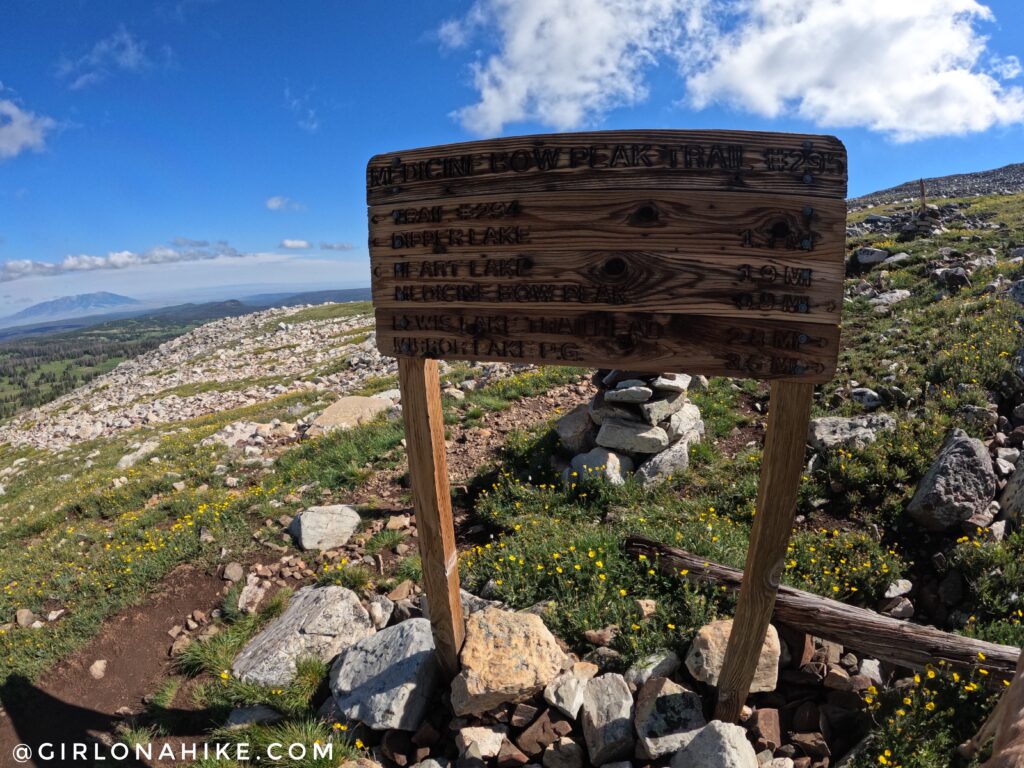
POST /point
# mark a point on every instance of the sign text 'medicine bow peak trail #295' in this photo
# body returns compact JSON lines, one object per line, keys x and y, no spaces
{"x":715,"y":252}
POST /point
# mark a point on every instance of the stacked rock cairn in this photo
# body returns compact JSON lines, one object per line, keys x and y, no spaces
{"x":637,"y":423}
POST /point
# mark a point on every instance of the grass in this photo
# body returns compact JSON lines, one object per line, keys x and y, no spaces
{"x":383,"y":541}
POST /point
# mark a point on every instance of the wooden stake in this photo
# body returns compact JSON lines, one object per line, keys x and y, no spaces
{"x":924,"y":201}
{"x":788,"y":416}
{"x":428,"y":471}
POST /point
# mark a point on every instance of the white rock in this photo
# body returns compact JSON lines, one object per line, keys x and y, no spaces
{"x":659,"y":664}
{"x":387,"y":680}
{"x":487,"y":738}
{"x":668,"y":717}
{"x":319,"y":622}
{"x":672,"y":382}
{"x":717,"y":745}
{"x":631,"y":437}
{"x":608,"y":719}
{"x":600,"y":462}
{"x":322,"y":528}
{"x":707,"y":653}
{"x":98,"y":669}
{"x":565,"y":692}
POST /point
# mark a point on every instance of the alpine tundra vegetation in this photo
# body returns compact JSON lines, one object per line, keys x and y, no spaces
{"x":214,"y":460}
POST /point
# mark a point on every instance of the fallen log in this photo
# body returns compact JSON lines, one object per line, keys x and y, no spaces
{"x":898,"y":642}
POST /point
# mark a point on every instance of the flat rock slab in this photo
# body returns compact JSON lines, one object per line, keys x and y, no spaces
{"x":660,"y":408}
{"x":960,"y":483}
{"x":855,"y":433}
{"x":636,"y":393}
{"x":631,"y":436}
{"x":667,"y":718}
{"x":608,"y":719}
{"x":388,"y":679}
{"x":322,"y":528}
{"x":319,"y":622}
{"x":707,"y":652}
{"x":506,"y":658}
{"x":717,"y":745}
{"x":672,"y":382}
{"x":348,"y":412}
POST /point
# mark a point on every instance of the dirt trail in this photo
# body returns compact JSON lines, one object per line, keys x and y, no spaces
{"x":68,"y":705}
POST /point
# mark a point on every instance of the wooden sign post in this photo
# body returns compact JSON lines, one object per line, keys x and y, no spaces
{"x":714,"y":252}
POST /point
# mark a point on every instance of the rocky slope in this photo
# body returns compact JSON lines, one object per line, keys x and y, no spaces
{"x":1001,"y":181}
{"x":225,"y":364}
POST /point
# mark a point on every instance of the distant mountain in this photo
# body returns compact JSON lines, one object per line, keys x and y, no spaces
{"x":69,"y":306}
{"x":1000,"y":181}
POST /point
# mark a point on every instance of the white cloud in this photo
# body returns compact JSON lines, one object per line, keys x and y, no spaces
{"x":282,"y":203}
{"x":301,"y":106}
{"x":21,"y":130}
{"x":120,"y":51}
{"x":563,"y":62}
{"x":336,"y":246}
{"x":910,"y":69}
{"x":295,"y":245}
{"x":17,"y":269}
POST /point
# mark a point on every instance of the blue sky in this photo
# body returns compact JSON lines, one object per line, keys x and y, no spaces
{"x":175,"y":149}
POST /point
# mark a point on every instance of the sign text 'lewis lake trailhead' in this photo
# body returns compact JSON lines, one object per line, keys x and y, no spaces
{"x":718,"y":252}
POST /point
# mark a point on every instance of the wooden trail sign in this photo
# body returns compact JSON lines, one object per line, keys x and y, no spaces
{"x":714,"y":252}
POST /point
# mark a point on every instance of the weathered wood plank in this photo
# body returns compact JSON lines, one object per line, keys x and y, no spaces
{"x":784,"y":287}
{"x":736,"y":161}
{"x":704,"y":223}
{"x":881,"y":637}
{"x":428,"y":471}
{"x":655,"y":342}
{"x":785,"y":440}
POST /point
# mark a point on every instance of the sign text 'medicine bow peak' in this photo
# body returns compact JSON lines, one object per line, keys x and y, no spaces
{"x":716,"y":252}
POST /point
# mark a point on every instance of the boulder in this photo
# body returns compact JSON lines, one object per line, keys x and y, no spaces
{"x":565,"y":692}
{"x":664,"y":465}
{"x":347,"y":412}
{"x":548,"y":728}
{"x":1011,"y":501}
{"x":600,"y":462}
{"x":960,"y":483}
{"x":387,"y":680}
{"x":685,"y":424}
{"x":707,"y":652}
{"x":327,"y":527}
{"x":867,"y":257}
{"x":608,"y":719}
{"x":717,"y":745}
{"x":668,"y":717}
{"x":631,"y":436}
{"x":575,"y":429}
{"x":319,"y":622}
{"x":506,"y":657}
{"x":830,"y":432}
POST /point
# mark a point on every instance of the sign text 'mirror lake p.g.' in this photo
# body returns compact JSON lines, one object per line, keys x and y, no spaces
{"x":715,"y":252}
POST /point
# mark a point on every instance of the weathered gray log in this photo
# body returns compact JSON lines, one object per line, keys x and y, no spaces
{"x":899,"y":642}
